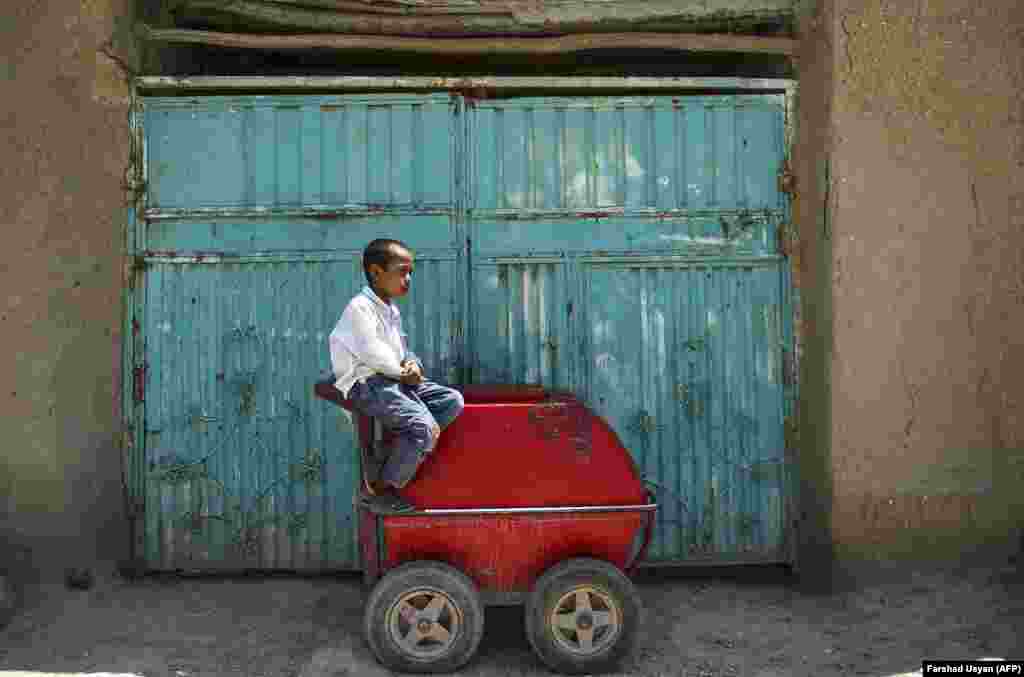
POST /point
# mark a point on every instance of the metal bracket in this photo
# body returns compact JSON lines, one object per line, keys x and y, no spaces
{"x":786,"y":179}
{"x":132,"y":265}
{"x":139,"y":382}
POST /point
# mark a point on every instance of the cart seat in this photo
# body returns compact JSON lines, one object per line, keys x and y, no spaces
{"x":371,"y":434}
{"x":325,"y":390}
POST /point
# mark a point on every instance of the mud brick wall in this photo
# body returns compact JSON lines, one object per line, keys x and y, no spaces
{"x":917,"y":227}
{"x":65,"y":111}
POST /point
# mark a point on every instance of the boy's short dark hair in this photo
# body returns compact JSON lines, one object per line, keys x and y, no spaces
{"x":381,"y":252}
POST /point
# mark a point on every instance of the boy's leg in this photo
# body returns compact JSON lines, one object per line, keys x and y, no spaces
{"x":409,"y":418}
{"x":444,"y":403}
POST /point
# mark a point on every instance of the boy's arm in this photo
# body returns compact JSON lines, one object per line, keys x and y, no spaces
{"x":368,"y":349}
{"x":410,"y":356}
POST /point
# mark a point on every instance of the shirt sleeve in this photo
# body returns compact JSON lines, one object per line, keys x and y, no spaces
{"x":410,"y":355}
{"x":407,"y":354}
{"x":371,"y":350}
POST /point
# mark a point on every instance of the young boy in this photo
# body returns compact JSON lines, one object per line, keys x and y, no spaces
{"x":382,"y":378}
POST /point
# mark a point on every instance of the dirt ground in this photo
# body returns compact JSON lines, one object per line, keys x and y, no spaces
{"x":743,"y":622}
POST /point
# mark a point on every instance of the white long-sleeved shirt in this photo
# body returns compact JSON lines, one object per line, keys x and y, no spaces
{"x":368,"y":340}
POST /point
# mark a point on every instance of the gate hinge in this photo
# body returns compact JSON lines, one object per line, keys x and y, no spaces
{"x":786,"y":179}
{"x":787,"y":239}
{"x":139,"y":382}
{"x":132,"y":265}
{"x":789,"y":367}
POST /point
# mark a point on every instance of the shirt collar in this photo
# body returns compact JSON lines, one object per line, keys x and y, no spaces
{"x":389,"y":307}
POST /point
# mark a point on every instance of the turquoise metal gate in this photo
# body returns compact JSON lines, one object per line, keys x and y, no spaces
{"x":623,"y":248}
{"x":257,"y":212}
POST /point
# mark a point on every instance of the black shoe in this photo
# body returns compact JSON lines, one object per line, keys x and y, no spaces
{"x":389,"y":503}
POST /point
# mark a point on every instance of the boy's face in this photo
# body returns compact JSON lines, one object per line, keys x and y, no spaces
{"x":394,"y":279}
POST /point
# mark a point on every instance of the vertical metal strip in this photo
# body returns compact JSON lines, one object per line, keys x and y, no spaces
{"x":751,"y":433}
{"x":343,"y":186}
{"x":679,"y":141}
{"x":724,"y":448}
{"x":462,"y":198}
{"x":132,"y":439}
{"x":562,"y":130}
{"x":710,"y":156}
{"x":745,"y":487}
{"x":132,"y":335}
{"x":676,"y":358}
{"x":416,"y":161}
{"x":650,"y":179}
{"x":280,"y":443}
{"x":653,"y":384}
{"x":793,"y":340}
{"x":690,"y":403}
{"x":742,"y":200}
{"x":391,"y":159}
{"x":531,"y":179}
{"x":620,"y":157}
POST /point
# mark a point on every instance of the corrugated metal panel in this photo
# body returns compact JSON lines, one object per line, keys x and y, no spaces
{"x":241,"y":467}
{"x":685,"y":363}
{"x":658,"y":153}
{"x":242,"y":471}
{"x":626,"y":249}
{"x":521,"y":314}
{"x":299,"y":150}
{"x":244,"y":468}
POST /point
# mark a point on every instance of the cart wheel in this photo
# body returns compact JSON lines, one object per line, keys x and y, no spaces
{"x":424,"y":617}
{"x":582,"y":616}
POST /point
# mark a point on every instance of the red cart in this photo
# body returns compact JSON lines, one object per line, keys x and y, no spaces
{"x":529,"y":498}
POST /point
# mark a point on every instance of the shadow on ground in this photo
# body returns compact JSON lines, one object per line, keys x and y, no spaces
{"x":748,"y":621}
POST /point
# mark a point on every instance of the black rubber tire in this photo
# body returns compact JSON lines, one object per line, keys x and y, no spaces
{"x":431,"y":578}
{"x":605,"y":580}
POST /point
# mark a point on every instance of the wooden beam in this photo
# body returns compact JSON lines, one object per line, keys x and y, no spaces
{"x":396,"y":6}
{"x":634,"y":9}
{"x":257,"y":15}
{"x":468,"y":7}
{"x":511,"y":17}
{"x":686,"y":42}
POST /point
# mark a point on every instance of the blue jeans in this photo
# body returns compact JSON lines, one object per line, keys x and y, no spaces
{"x":417,"y":414}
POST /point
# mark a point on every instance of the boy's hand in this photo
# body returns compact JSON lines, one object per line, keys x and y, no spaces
{"x":411,"y":374}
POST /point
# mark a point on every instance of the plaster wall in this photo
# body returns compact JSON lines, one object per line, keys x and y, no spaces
{"x":62,"y":210}
{"x":918,"y":225}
